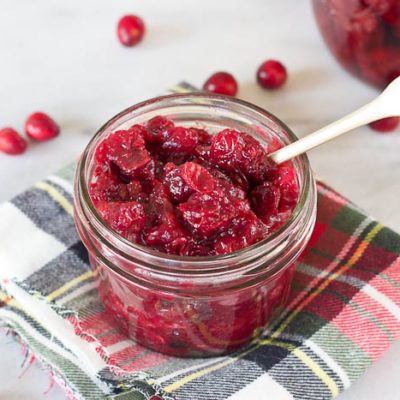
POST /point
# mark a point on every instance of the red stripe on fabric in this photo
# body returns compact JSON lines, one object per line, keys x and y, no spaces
{"x":97,"y":324}
{"x":327,"y":305}
{"x":393,"y":272}
{"x":327,"y":209}
{"x":127,"y":353}
{"x":376,"y":258}
{"x":149,"y":360}
{"x":378,"y":311}
{"x":328,"y":265}
{"x":112,"y":338}
{"x":319,"y":229}
{"x":384,"y":287}
{"x":362,"y":332}
{"x":335,"y":197}
{"x":333,"y":240}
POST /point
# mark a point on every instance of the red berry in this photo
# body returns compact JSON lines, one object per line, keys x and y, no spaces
{"x":271,"y":74}
{"x":40,"y":126}
{"x":156,"y":126}
{"x":221,"y":83}
{"x":172,"y":180}
{"x":198,"y":178}
{"x":130,"y":30}
{"x":264,"y":200}
{"x":380,"y":6}
{"x":179,"y":140}
{"x":385,"y":125}
{"x":126,"y":149}
{"x":126,"y":216}
{"x":11,"y":142}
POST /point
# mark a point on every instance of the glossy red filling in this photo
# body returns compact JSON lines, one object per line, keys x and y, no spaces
{"x":364,"y":35}
{"x":185,"y":192}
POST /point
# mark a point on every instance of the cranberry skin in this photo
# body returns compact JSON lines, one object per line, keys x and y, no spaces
{"x":173,"y":182}
{"x":379,"y":6}
{"x":221,"y":83}
{"x":271,"y":74}
{"x":130,"y":30}
{"x":264,"y":200}
{"x":198,"y":178}
{"x":156,"y":126}
{"x":125,"y":149}
{"x":179,"y":140}
{"x":11,"y":142}
{"x":123,"y":216}
{"x":385,"y":125}
{"x":39,"y":126}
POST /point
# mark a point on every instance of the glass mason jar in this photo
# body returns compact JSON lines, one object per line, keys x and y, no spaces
{"x":363,"y":35}
{"x":195,"y":306}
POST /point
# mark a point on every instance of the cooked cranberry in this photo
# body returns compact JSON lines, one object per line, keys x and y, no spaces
{"x":233,"y":150}
{"x":385,"y":125}
{"x":226,"y":147}
{"x":363,"y":35}
{"x":221,"y":83}
{"x":204,"y":136}
{"x":177,"y":188}
{"x":380,"y":6}
{"x":288,"y":186}
{"x":126,"y":216}
{"x":194,"y":249}
{"x":130,"y":30}
{"x":156,"y":126}
{"x":198,"y":178}
{"x":168,"y":236}
{"x":245,"y":231}
{"x":205,"y":213}
{"x":126,"y":149}
{"x":107,"y":187}
{"x":156,"y":202}
{"x":239,"y":180}
{"x":179,"y":140}
{"x":271,"y":74}
{"x":264,"y":200}
{"x":251,"y":229}
{"x":219,"y":194}
{"x":155,"y":398}
{"x":40,"y":126}
{"x":227,"y":244}
{"x":11,"y":142}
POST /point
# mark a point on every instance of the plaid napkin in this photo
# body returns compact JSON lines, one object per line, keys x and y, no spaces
{"x":344,"y":310}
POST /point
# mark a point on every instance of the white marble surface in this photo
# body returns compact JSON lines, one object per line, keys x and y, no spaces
{"x":63,"y":58}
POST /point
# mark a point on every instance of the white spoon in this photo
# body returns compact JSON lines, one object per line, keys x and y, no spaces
{"x":385,"y":105}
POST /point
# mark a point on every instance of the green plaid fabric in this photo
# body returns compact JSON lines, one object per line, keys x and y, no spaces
{"x":343,"y":313}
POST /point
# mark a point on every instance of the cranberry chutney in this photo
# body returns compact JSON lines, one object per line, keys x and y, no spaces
{"x":192,"y":232}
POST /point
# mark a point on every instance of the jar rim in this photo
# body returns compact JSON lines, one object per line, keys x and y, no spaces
{"x":199,"y":261}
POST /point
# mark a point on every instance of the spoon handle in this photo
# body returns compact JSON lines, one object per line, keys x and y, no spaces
{"x":385,"y":105}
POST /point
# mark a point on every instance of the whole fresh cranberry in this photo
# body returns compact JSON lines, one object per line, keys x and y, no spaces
{"x":221,"y":83}
{"x":385,"y":125}
{"x":271,"y":74}
{"x":40,"y":126}
{"x":11,"y":142}
{"x":130,"y":30}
